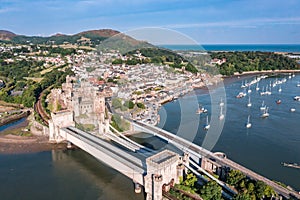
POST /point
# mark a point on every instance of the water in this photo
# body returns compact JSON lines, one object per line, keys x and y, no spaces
{"x":20,"y":122}
{"x":77,"y":175}
{"x":61,"y":175}
{"x":238,"y":47}
{"x":266,"y":144}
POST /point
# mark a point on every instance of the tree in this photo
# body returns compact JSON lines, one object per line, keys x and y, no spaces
{"x":260,"y":188}
{"x":269,"y":192}
{"x":234,"y":177}
{"x":242,"y":196}
{"x":116,"y":103}
{"x":129,"y":104}
{"x":117,"y":61}
{"x":141,"y":105}
{"x":190,"y":180}
{"x":211,"y":191}
{"x":250,"y":188}
{"x":188,"y":184}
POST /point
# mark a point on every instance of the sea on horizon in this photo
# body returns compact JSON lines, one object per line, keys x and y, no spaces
{"x":288,"y":48}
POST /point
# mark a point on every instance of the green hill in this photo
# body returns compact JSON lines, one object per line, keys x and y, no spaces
{"x":92,"y":37}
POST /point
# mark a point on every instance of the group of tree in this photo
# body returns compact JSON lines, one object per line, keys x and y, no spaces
{"x":61,"y":39}
{"x":157,"y":56}
{"x":119,"y":123}
{"x":118,"y":103}
{"x":253,"y":61}
{"x":208,"y":191}
{"x":32,"y":89}
{"x":248,"y":189}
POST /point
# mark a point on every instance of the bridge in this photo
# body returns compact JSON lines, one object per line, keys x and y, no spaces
{"x":122,"y":161}
{"x":152,"y":170}
{"x":143,"y":166}
{"x":198,"y":152}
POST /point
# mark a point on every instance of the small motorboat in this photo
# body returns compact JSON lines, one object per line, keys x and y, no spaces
{"x":278,"y":101}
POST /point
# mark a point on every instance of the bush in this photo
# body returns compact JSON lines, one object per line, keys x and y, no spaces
{"x":140,"y":105}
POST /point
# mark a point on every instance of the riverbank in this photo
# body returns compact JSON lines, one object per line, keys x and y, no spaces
{"x":12,"y":144}
{"x":18,"y":139}
{"x":237,"y":74}
{"x":13,"y":117}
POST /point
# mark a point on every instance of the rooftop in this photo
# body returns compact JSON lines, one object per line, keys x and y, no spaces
{"x":163,"y":158}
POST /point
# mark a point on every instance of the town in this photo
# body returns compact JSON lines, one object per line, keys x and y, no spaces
{"x":109,"y":94}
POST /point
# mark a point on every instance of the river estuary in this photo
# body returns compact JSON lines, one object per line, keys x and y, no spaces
{"x":77,"y":175}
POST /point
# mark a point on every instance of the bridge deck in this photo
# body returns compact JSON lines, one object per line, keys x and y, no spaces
{"x":115,"y":157}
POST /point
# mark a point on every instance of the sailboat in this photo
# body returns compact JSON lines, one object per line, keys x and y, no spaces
{"x":249,"y":89}
{"x":257,"y":88}
{"x":249,"y":103}
{"x":244,"y":84}
{"x":268,"y":92}
{"x":263,"y":91}
{"x":279,"y":90}
{"x":265,"y":114}
{"x":207,"y":125}
{"x":248,"y":124}
{"x":263,"y":106}
{"x":221,"y":102}
{"x":221,"y":116}
{"x":201,"y":110}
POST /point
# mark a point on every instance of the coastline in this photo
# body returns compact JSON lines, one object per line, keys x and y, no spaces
{"x":13,"y":118}
{"x":17,"y":140}
{"x":12,"y":144}
{"x":236,"y":74}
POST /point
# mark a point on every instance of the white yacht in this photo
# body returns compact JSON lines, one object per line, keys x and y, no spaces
{"x":221,"y":102}
{"x":207,"y":125}
{"x":248,"y":124}
{"x":221,"y":116}
{"x":263,"y":106}
{"x":249,"y":89}
{"x":257,"y":88}
{"x":249,"y":103}
{"x":265,"y":114}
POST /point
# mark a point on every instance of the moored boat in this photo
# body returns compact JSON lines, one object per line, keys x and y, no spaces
{"x":249,"y":103}
{"x":248,"y":124}
{"x":207,"y":125}
{"x":263,"y":106}
{"x":221,"y":116}
{"x":297,"y":98}
{"x":278,"y":101}
{"x":265,"y":114}
{"x":221,"y":102}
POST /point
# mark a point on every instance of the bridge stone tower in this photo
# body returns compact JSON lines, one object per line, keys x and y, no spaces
{"x":59,"y":120}
{"x":162,"y":170}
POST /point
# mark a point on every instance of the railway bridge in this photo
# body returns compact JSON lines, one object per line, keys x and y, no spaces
{"x":154,"y":170}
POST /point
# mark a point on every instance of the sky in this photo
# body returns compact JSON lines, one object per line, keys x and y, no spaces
{"x":205,"y":21}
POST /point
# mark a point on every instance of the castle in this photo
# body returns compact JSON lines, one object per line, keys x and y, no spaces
{"x":77,"y":103}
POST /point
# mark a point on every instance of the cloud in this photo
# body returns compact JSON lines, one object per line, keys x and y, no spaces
{"x":247,"y":23}
{"x":7,"y":10}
